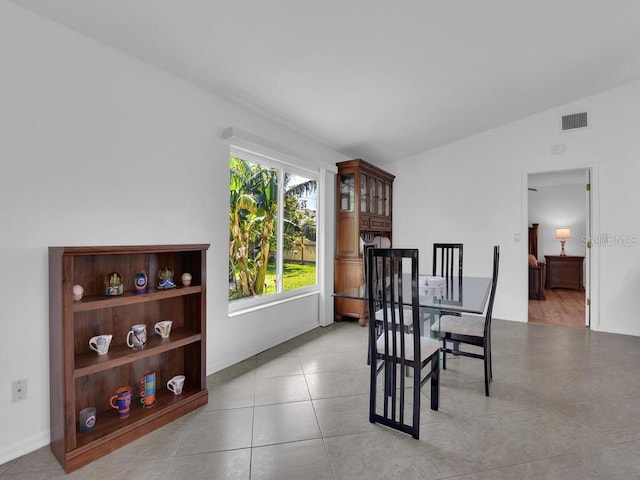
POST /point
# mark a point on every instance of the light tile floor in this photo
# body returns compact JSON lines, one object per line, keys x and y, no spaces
{"x":565,"y":404}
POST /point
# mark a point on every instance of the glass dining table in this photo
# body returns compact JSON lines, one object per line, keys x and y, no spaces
{"x":457,"y":295}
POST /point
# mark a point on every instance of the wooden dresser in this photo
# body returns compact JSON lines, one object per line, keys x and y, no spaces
{"x":537,"y":276}
{"x":565,"y":271}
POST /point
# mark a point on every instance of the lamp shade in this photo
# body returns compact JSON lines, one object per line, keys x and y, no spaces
{"x":563,"y":233}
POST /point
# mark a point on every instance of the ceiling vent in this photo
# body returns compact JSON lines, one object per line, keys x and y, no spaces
{"x":573,"y":121}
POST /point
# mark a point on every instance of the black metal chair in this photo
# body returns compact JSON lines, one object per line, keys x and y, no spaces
{"x":377,"y":315}
{"x":394,"y":350}
{"x":471,"y":330}
{"x":446,"y":257}
{"x":374,"y":271}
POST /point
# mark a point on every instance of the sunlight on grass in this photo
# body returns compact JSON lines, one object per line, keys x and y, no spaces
{"x":296,"y":275}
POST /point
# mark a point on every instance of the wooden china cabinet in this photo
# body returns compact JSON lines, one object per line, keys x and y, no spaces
{"x":364,"y":205}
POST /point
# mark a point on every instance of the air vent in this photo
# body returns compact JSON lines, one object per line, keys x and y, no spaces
{"x":573,"y":121}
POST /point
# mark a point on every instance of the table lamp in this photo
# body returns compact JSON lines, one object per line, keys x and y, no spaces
{"x":562,"y":234}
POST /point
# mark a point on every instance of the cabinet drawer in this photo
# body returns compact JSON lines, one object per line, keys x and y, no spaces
{"x":382,"y":224}
{"x":364,"y":222}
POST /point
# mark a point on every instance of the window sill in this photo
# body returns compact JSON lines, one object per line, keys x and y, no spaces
{"x":262,"y":303}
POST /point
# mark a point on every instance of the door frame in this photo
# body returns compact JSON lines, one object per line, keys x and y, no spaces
{"x":592,"y":273}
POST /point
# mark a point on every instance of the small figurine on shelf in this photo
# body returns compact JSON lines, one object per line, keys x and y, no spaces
{"x":186,"y":279}
{"x":113,"y":284}
{"x":140,"y":282}
{"x":165,"y":275}
{"x":78,"y":292}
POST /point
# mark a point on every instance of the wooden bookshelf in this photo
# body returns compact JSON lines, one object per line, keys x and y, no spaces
{"x":80,"y":378}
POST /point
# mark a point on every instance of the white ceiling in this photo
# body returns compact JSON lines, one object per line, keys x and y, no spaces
{"x":376,"y":79}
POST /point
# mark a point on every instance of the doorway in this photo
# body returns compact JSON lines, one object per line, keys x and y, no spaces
{"x":559,"y":203}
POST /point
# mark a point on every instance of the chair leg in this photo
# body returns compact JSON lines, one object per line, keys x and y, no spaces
{"x":416,"y":401}
{"x":444,"y":354}
{"x":435,"y":382}
{"x":372,"y":390}
{"x":486,"y":378}
{"x":487,"y":369}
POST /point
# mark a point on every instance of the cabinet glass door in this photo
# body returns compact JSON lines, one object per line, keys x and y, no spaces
{"x":380,"y":197}
{"x":363,"y":193}
{"x":387,"y":199}
{"x":347,"y":193}
{"x":372,"y":195}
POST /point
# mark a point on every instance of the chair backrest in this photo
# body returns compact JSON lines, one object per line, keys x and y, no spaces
{"x":447,"y":259}
{"x":395,"y":288}
{"x":365,"y":256}
{"x":370,"y":269}
{"x":494,"y":284}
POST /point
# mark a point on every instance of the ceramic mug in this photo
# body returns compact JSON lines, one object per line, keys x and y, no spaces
{"x":100,"y":343}
{"x":121,"y":401}
{"x":148,"y":389}
{"x":137,"y":336}
{"x":163,"y":328}
{"x":176,"y":384}
{"x":87,"y":419}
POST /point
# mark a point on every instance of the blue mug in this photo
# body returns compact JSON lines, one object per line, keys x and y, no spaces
{"x":121,"y":401}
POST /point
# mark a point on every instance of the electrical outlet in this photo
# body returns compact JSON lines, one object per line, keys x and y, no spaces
{"x":19,"y":390}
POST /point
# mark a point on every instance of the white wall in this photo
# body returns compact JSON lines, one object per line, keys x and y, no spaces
{"x":100,"y":149}
{"x":474,"y":191}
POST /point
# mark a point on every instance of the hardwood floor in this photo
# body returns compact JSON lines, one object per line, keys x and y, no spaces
{"x":561,"y":307}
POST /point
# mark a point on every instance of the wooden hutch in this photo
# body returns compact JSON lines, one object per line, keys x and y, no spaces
{"x":364,"y":205}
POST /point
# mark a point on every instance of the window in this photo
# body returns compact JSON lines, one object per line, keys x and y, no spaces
{"x":272,"y":228}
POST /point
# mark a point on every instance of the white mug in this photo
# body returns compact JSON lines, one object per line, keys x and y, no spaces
{"x":100,"y":343}
{"x":163,"y":328}
{"x":137,"y":336}
{"x":175,"y":384}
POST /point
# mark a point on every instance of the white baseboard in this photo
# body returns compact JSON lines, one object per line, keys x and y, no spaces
{"x":25,"y":446}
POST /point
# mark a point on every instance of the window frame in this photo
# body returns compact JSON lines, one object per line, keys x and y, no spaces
{"x":282,"y":163}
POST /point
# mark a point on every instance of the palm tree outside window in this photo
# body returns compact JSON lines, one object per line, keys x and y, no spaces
{"x":272,"y":228}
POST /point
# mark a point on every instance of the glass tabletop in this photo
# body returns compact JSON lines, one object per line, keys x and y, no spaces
{"x":466,"y":295}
